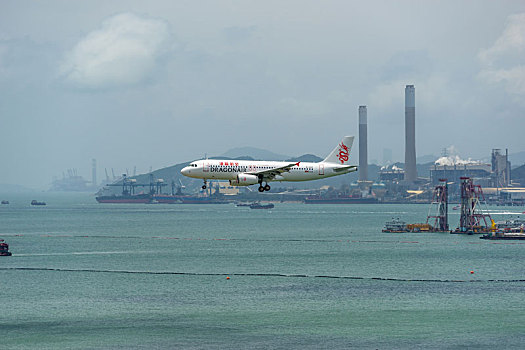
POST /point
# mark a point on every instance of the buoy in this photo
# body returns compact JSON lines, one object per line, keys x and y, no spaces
{"x":471,"y":272}
{"x":229,"y":277}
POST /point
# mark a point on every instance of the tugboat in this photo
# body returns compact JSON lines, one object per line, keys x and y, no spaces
{"x":4,"y":248}
{"x":35,"y":202}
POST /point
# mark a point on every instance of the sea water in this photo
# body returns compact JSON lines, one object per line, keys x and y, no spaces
{"x":85,"y":275}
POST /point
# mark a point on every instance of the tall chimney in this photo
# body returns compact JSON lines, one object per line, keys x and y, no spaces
{"x":363,"y":150}
{"x":410,"y":134}
{"x":94,"y":171}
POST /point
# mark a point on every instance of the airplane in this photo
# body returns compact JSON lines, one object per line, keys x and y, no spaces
{"x":251,"y":172}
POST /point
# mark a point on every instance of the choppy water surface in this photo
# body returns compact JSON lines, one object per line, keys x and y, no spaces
{"x":88,"y":275}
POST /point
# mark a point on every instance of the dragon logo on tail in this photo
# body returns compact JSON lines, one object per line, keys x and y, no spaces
{"x":343,"y":153}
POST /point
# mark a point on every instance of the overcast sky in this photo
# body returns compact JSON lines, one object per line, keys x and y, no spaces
{"x":155,"y":83}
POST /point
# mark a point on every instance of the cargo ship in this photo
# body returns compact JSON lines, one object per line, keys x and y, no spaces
{"x":340,"y":200}
{"x":158,"y":199}
{"x":125,"y":198}
{"x":261,"y":206}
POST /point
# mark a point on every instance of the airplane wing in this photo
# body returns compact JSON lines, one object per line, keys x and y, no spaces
{"x":269,"y":174}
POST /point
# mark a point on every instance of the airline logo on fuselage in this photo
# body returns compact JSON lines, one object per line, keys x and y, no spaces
{"x":343,"y":153}
{"x":228,"y":167}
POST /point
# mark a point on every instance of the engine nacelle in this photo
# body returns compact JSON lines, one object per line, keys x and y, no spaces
{"x":245,"y":180}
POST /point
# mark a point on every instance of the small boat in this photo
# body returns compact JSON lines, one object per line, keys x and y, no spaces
{"x":261,"y":206}
{"x":5,"y":202}
{"x":456,"y":207}
{"x":4,"y":248}
{"x":244,"y":204}
{"x":35,"y":202}
{"x":395,"y":226}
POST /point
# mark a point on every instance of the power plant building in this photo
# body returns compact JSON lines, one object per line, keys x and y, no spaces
{"x":480,"y":172}
{"x":500,"y":168}
{"x":410,"y":134}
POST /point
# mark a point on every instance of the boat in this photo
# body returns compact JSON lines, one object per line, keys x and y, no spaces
{"x":5,"y":202}
{"x":4,"y":248}
{"x":35,"y":202}
{"x":456,"y":207}
{"x":510,"y":224}
{"x":395,"y":226}
{"x":243,"y":204}
{"x":509,"y":233}
{"x":261,"y":206}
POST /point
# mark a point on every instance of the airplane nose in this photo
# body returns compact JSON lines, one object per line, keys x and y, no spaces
{"x":185,"y":171}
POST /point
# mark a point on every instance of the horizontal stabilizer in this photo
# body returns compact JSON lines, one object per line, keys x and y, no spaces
{"x":345,"y":168}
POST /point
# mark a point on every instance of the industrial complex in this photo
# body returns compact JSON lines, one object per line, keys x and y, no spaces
{"x":406,"y":182}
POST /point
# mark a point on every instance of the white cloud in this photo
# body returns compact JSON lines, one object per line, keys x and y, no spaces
{"x":123,"y":51}
{"x":513,"y":78}
{"x":504,"y":62}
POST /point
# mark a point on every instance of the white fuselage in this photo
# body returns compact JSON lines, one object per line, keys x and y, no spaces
{"x":230,"y":169}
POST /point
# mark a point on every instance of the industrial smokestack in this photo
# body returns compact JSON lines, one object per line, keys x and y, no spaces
{"x":410,"y":134}
{"x":363,"y":150}
{"x":94,"y":172}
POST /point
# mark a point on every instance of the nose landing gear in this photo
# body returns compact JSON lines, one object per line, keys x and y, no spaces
{"x":204,"y":186}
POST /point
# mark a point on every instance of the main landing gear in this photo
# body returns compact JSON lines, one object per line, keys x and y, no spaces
{"x":264,"y":188}
{"x":204,"y":186}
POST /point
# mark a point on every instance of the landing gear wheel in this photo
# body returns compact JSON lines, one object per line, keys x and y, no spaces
{"x":267,"y":187}
{"x":203,"y":187}
{"x":261,"y":189}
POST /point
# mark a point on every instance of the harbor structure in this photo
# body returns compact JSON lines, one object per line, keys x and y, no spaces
{"x":439,"y":207}
{"x":410,"y":134}
{"x":472,"y":218}
{"x":363,"y":144}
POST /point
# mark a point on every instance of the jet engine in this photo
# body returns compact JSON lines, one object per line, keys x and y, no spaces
{"x":245,"y":180}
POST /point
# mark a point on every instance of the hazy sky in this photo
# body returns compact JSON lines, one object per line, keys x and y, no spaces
{"x":154,"y":83}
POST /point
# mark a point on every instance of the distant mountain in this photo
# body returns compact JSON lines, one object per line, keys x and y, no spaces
{"x":517,"y":159}
{"x":426,"y":159}
{"x":305,"y":158}
{"x":255,"y":153}
{"x":518,"y":175}
{"x":8,"y":188}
